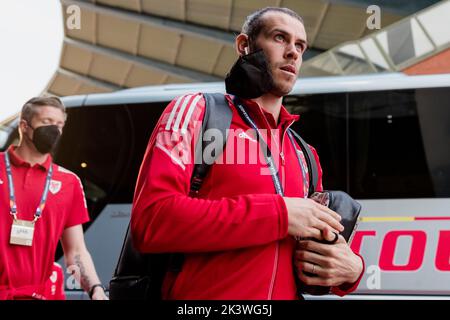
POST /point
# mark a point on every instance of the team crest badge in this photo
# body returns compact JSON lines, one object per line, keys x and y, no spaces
{"x":55,"y":186}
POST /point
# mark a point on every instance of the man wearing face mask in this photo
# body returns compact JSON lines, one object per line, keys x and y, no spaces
{"x":41,"y":204}
{"x":237,"y":233}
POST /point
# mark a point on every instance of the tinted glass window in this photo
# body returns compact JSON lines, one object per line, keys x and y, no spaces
{"x":144,"y":119}
{"x":104,"y":146}
{"x":433,"y":108}
{"x":399,"y":144}
{"x":95,"y":145}
{"x":323,"y":125}
{"x":384,"y":144}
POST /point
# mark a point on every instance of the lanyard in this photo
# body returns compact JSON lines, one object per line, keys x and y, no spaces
{"x":12,"y":197}
{"x":268,"y":155}
{"x":302,"y":166}
{"x":264,"y":147}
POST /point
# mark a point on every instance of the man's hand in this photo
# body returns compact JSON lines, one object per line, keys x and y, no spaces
{"x":99,"y":294}
{"x":333,"y":264}
{"x":309,"y":219}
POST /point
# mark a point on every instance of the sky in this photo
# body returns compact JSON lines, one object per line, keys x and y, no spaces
{"x":31,"y":36}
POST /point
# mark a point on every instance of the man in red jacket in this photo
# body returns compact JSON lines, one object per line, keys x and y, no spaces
{"x":238,"y":233}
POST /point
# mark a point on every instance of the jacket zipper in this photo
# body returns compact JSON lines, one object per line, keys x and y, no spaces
{"x":283,"y":162}
{"x":277,"y":246}
{"x":274,"y":272}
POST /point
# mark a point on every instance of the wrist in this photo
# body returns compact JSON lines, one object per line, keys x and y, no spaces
{"x":95,"y":287}
{"x":359,"y":269}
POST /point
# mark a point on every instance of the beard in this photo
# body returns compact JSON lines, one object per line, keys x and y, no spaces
{"x":281,"y":87}
{"x":281,"y":90}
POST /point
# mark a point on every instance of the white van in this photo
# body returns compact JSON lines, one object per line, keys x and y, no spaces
{"x":384,"y":139}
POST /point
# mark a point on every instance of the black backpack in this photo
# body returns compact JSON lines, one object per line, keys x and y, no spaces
{"x":140,"y":276}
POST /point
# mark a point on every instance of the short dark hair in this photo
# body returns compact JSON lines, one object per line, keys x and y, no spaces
{"x":254,"y":23}
{"x":29,"y":108}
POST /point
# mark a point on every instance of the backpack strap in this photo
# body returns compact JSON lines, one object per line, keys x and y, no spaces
{"x":310,"y":161}
{"x":142,"y":274}
{"x":217,"y":116}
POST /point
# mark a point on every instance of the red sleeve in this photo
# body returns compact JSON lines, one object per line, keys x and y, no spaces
{"x":78,"y":213}
{"x":166,"y":219}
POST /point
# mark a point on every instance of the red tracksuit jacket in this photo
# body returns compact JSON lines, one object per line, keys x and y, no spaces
{"x":234,"y":233}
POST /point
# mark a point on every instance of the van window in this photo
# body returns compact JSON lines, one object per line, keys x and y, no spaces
{"x":322,"y":124}
{"x":399,"y":143}
{"x":382,"y":144}
{"x":104,"y":146}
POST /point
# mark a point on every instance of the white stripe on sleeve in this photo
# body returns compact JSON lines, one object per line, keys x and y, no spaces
{"x":176,"y":125}
{"x":174,"y":111}
{"x":189,"y":113}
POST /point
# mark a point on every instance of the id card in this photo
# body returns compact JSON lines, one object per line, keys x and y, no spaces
{"x":22,"y":233}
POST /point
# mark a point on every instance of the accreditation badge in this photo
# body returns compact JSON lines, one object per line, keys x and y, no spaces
{"x":22,"y":233}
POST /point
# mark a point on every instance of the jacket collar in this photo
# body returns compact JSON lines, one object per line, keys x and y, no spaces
{"x":259,"y":114}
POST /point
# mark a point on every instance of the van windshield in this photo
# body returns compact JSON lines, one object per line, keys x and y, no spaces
{"x":104,"y":146}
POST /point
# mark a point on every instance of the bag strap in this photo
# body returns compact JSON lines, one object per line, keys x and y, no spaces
{"x":217,"y":116}
{"x":310,"y":161}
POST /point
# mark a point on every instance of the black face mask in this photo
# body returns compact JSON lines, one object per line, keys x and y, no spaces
{"x":249,"y":77}
{"x":45,"y":138}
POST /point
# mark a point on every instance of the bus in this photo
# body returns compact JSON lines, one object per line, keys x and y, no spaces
{"x":383,"y":138}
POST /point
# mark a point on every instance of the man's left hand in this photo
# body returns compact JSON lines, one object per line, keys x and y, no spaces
{"x":99,"y":294}
{"x":333,"y":264}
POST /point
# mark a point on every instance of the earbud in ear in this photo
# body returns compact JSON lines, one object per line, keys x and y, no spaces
{"x":246,"y":50}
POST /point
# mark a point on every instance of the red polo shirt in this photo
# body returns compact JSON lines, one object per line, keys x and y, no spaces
{"x":24,"y":270}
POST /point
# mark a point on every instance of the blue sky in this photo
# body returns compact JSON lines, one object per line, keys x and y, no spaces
{"x":31,"y":35}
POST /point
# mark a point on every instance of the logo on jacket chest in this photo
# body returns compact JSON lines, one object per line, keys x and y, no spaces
{"x":55,"y":186}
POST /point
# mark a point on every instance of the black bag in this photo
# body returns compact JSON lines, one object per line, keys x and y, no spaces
{"x":338,"y":201}
{"x":140,"y":276}
{"x":344,"y":205}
